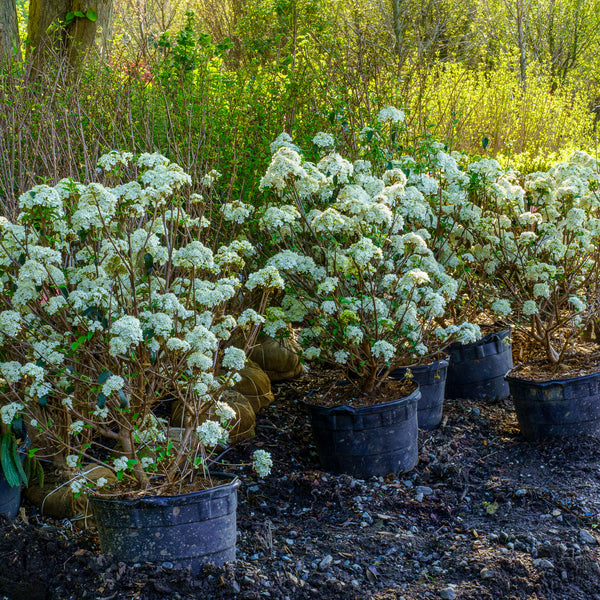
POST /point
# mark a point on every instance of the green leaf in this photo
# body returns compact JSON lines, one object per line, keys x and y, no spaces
{"x":103,"y":377}
{"x":80,"y":340}
{"x":19,"y":464}
{"x":91,"y":15}
{"x":484,"y":142}
{"x":148,"y":262}
{"x":79,"y":14}
{"x":8,"y":462}
{"x":123,"y":398}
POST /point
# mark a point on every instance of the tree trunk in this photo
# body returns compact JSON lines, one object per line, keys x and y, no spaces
{"x":48,"y":33}
{"x":398,"y":26}
{"x":9,"y":31}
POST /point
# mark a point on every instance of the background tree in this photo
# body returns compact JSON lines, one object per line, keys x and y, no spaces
{"x":71,"y":27}
{"x":9,"y":30}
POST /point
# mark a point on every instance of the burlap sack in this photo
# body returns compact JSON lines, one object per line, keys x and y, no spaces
{"x":56,"y":498}
{"x":245,"y":421}
{"x":279,"y":359}
{"x":255,"y":386}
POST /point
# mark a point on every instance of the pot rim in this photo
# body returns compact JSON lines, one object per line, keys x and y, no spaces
{"x":491,"y":337}
{"x":511,"y":376}
{"x":175,"y":499}
{"x":414,"y":396}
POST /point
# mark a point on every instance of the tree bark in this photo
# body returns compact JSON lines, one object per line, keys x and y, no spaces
{"x":10,"y":47}
{"x":48,"y":33}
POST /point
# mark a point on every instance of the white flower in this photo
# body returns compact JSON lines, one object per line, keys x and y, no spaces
{"x":364,"y":252}
{"x":72,"y":460}
{"x":211,"y":177}
{"x":354,"y":334}
{"x":250,"y":316}
{"x":236,"y":211}
{"x":224,"y":412}
{"x":114,"y":157}
{"x":211,"y":433}
{"x":541,"y":289}
{"x":267,"y":277}
{"x":418,"y":277}
{"x":262,"y":462}
{"x":67,"y":402}
{"x":391,"y":114}
{"x":101,"y":482}
{"x":323,"y":140}
{"x":577,"y":303}
{"x":341,"y":356}
{"x":283,"y":140}
{"x":10,"y":323}
{"x":384,"y":350}
{"x":311,"y":353}
{"x":195,"y":255}
{"x":336,"y":168}
{"x":127,"y":332}
{"x":77,"y":485}
{"x":501,"y":307}
{"x":76,"y":427}
{"x":9,"y":411}
{"x":147,"y":461}
{"x":120,"y":464}
{"x":234,"y":358}
{"x":11,"y":371}
{"x":530,"y":307}
{"x":113,"y":384}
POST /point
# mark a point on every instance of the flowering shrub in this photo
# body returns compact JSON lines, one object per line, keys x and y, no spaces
{"x":112,"y":306}
{"x":535,"y":247}
{"x":356,"y":267}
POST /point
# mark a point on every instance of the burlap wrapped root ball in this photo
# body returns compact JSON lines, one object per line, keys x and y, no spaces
{"x":56,"y":498}
{"x":279,"y":359}
{"x":255,"y":385}
{"x":244,"y":422}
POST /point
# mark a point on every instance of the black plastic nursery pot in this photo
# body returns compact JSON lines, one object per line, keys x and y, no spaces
{"x":557,"y":408}
{"x":432,"y":382}
{"x":369,"y":440}
{"x":10,"y":498}
{"x":188,"y":530}
{"x":477,"y":370}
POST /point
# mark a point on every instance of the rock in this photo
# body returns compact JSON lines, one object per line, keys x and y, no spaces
{"x":521,"y":492}
{"x":475,"y":411}
{"x":563,"y":575}
{"x":486,"y":573}
{"x":543,"y":563}
{"x":326,"y":562}
{"x":556,"y":512}
{"x":423,"y":489}
{"x":586,"y":537}
{"x":448,"y":593}
{"x":408,"y":483}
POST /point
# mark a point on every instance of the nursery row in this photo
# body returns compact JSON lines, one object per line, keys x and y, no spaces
{"x":129,"y":308}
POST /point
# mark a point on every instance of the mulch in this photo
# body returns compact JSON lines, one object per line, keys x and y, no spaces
{"x":484,"y":514}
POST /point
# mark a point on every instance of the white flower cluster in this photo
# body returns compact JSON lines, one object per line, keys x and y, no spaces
{"x":358,"y":266}
{"x":211,"y":434}
{"x":262,"y":462}
{"x":391,"y":114}
{"x":112,"y":295}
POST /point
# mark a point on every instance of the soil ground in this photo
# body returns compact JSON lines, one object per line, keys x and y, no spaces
{"x":484,"y":515}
